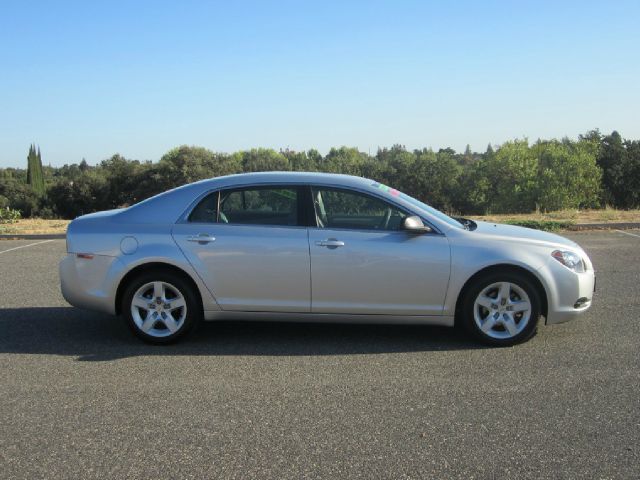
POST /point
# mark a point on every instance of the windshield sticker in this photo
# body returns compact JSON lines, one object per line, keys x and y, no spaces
{"x":386,"y":189}
{"x":291,"y":194}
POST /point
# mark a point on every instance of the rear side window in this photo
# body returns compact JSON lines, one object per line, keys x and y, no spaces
{"x":206,"y":211}
{"x":250,"y":206}
{"x":259,"y":206}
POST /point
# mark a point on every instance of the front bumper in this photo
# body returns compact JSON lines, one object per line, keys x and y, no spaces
{"x":569,"y":294}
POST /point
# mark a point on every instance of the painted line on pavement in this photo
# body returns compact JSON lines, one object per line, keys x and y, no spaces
{"x":627,"y":233}
{"x":24,"y":246}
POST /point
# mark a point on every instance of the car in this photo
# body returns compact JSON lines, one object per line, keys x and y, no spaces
{"x":287,"y":246}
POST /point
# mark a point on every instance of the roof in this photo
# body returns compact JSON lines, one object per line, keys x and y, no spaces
{"x":285,"y":177}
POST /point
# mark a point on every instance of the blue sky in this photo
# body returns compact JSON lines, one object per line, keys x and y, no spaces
{"x":84,"y":79}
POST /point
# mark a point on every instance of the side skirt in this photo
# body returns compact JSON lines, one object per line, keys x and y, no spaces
{"x":444,"y":320}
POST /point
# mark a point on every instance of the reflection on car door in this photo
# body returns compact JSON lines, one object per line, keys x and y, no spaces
{"x":252,"y":254}
{"x":363,"y":263}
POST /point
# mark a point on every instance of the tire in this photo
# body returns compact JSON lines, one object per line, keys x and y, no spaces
{"x":160,"y":307}
{"x":501,"y":309}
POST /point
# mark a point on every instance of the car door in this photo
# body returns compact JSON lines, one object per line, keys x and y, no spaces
{"x":250,"y":248}
{"x":362,"y":262}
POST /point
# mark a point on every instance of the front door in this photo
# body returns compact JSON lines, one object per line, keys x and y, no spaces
{"x":363,"y":263}
{"x":250,"y":249}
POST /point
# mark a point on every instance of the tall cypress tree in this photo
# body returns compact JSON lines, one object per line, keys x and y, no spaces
{"x":35,"y":175}
{"x":29,"y":163}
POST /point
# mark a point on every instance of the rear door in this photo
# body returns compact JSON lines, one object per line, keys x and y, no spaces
{"x":250,"y":246}
{"x":362,"y":262}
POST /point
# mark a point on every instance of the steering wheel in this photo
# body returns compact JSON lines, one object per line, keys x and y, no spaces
{"x":384,"y":224}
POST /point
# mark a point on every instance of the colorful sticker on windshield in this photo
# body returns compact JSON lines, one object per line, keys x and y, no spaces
{"x":291,"y":194}
{"x":386,"y":189}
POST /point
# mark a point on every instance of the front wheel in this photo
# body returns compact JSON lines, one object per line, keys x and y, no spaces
{"x":501,"y":309}
{"x":160,"y":307}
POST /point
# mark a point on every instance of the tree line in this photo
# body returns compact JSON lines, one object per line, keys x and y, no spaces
{"x":592,"y":171}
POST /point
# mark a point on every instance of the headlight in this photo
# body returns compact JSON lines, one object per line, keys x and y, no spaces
{"x":569,"y":260}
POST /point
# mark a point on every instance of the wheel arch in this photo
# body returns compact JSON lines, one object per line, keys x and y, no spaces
{"x":151,"y":266}
{"x":501,"y":268}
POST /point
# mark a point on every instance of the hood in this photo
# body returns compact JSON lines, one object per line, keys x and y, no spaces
{"x":522,"y":234}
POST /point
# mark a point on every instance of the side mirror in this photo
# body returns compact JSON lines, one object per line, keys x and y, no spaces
{"x":413,"y":224}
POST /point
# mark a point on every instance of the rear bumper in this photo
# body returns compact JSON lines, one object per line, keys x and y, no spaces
{"x":90,"y":283}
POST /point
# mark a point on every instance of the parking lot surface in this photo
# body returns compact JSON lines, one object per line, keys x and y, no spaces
{"x":80,"y":397}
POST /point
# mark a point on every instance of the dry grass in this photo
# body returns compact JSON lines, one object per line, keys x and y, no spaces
{"x":36,"y":225}
{"x":606,"y":215}
{"x":29,"y":226}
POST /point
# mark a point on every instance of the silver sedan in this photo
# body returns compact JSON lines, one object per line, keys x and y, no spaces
{"x":317,"y":247}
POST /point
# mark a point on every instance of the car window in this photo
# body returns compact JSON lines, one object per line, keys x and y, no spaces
{"x":259,"y":206}
{"x":392,"y":192}
{"x":206,"y":211}
{"x":347,"y":209}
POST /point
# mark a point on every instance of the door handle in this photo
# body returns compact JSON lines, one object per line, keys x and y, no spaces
{"x":202,"y":238}
{"x":330,"y":243}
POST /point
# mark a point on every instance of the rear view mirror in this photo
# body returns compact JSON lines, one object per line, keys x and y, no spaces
{"x":413,"y":224}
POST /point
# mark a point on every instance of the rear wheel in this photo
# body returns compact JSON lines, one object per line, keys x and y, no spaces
{"x":501,"y":309}
{"x":160,"y":307}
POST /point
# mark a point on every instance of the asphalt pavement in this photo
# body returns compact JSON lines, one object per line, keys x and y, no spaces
{"x":80,"y":397}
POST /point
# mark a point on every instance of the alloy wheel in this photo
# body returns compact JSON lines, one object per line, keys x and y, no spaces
{"x":502,"y":310}
{"x":158,"y":309}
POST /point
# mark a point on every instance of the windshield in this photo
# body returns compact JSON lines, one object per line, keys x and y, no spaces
{"x":417,"y":203}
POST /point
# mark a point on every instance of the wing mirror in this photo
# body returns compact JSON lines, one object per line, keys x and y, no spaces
{"x":413,"y":224}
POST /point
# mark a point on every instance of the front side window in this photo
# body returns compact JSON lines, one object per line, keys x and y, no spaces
{"x":259,"y":206}
{"x":388,"y":191}
{"x":336,"y":208}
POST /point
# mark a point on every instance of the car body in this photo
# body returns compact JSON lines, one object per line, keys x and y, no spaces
{"x":318,"y":247}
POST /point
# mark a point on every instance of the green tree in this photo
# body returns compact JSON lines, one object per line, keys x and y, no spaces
{"x":186,"y":164}
{"x":620,"y":165}
{"x":512,"y":175}
{"x":302,"y":161}
{"x":569,"y":176}
{"x":632,"y":174}
{"x":345,"y":160}
{"x":21,"y":197}
{"x":35,"y":175}
{"x":489,"y":152}
{"x":261,"y":160}
{"x":467,"y":157}
{"x":434,"y":178}
{"x":87,"y":194}
{"x":392,"y":166}
{"x":122,"y":177}
{"x":474,"y":185}
{"x":611,"y":159}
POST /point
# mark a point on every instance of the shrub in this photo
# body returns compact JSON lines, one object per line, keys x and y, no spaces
{"x":9,"y":215}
